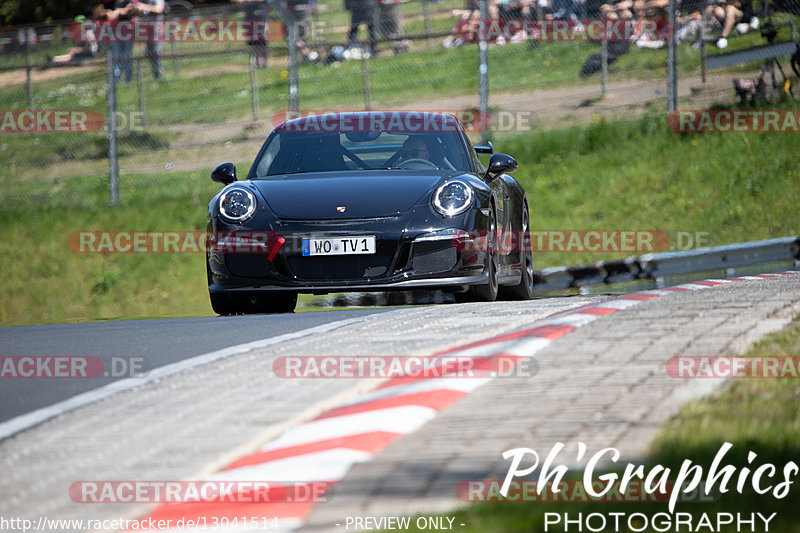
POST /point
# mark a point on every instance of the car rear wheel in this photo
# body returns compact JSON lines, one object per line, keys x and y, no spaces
{"x":253,"y":303}
{"x":488,"y":291}
{"x":523,"y":290}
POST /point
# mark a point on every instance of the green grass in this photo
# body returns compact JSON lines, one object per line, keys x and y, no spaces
{"x":759,"y":415}
{"x":639,"y":175}
{"x":604,"y":175}
{"x":53,"y":284}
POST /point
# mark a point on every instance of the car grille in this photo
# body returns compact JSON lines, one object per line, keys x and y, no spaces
{"x":247,"y":265}
{"x":339,"y":268}
{"x":434,"y":256}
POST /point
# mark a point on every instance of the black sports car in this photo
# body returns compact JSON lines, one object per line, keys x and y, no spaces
{"x":367,"y":201}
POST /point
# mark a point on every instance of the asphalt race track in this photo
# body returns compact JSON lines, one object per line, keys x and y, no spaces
{"x":157,"y":342}
{"x":601,"y":380}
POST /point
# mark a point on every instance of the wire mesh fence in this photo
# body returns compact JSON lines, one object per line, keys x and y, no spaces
{"x":212,"y":94}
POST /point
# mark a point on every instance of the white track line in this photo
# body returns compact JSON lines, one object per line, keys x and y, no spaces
{"x":403,"y":420}
{"x":330,"y":464}
{"x":34,"y":418}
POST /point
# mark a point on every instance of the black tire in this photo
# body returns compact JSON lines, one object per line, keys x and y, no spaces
{"x":223,"y":304}
{"x":253,"y":303}
{"x":524,"y":289}
{"x":486,"y":292}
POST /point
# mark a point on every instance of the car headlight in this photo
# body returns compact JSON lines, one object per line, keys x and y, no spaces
{"x":452,"y":198}
{"x":237,"y":204}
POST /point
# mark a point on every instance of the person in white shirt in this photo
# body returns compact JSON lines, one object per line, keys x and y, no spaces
{"x":153,"y":11}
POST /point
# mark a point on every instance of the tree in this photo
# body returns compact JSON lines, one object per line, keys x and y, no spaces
{"x":16,"y":12}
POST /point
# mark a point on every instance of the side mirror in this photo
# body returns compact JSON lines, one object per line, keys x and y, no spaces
{"x":500,"y":164}
{"x":224,"y":173}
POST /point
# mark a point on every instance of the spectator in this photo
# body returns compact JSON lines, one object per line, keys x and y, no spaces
{"x":689,"y":23}
{"x":87,"y":49}
{"x":152,"y":11}
{"x":625,"y":9}
{"x":299,"y":12}
{"x":569,"y":9}
{"x":464,"y":29}
{"x":655,"y":11}
{"x":728,"y":14}
{"x":362,"y":12}
{"x":255,"y":11}
{"x":122,"y":50}
{"x":390,"y":24}
{"x":510,"y":9}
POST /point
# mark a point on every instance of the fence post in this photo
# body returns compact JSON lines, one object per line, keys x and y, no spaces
{"x":365,"y":80}
{"x":174,"y":51}
{"x":253,"y":86}
{"x":28,"y":67}
{"x":483,"y":71}
{"x":703,"y":51}
{"x":111,"y":104}
{"x":426,"y":11}
{"x":292,"y":42}
{"x":672,"y":61}
{"x":140,"y":90}
{"x":604,"y":62}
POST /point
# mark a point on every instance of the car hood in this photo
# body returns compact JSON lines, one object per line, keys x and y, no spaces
{"x":371,"y":194}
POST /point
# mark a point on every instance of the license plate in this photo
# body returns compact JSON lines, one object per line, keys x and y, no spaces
{"x":340,"y":246}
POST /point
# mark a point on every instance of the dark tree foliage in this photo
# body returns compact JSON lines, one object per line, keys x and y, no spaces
{"x":15,"y":12}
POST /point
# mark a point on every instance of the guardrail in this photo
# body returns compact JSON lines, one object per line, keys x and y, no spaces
{"x":658,"y":267}
{"x":770,"y":255}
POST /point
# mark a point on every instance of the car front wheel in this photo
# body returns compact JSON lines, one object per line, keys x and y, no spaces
{"x":488,"y":291}
{"x":524,"y":289}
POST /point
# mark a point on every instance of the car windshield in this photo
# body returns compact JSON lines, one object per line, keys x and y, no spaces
{"x":297,"y":152}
